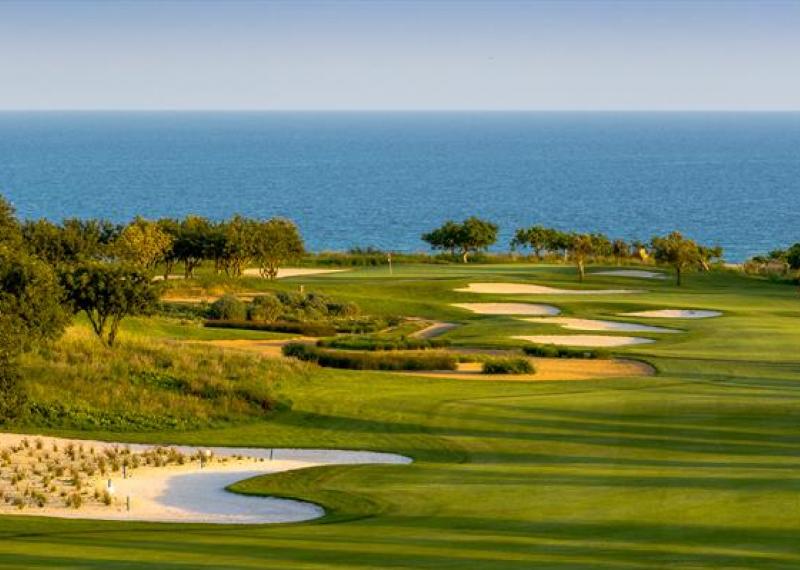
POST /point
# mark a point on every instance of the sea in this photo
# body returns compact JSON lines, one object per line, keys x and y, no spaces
{"x":381,"y":179}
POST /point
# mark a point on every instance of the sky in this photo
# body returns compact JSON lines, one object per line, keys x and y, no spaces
{"x":401,"y":54}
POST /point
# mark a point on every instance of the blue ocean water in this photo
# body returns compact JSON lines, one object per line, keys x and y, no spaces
{"x":382,"y":179}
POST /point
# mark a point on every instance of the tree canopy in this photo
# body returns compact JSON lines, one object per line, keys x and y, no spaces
{"x":472,"y":235}
{"x":107,"y":294}
{"x":679,"y":252}
{"x":276,"y":242}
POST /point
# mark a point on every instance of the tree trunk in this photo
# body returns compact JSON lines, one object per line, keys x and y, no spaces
{"x":581,"y":272}
{"x":678,"y":276}
{"x":464,"y":255}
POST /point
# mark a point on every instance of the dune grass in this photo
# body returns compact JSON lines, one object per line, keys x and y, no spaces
{"x":697,"y":467}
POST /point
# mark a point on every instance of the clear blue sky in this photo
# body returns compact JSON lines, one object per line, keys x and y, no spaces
{"x":402,"y":54}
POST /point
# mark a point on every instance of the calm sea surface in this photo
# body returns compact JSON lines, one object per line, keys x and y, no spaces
{"x":381,"y":179}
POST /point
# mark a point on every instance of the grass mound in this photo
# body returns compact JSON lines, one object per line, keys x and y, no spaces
{"x":147,"y":385}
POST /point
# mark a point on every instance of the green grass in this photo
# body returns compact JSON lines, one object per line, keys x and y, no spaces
{"x":697,"y":467}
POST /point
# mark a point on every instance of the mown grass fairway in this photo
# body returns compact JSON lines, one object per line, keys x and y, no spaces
{"x":697,"y":467}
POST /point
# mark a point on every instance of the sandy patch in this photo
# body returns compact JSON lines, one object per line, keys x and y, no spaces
{"x":189,"y":492}
{"x":436,"y":328}
{"x":548,"y":369}
{"x":528,"y":289}
{"x":598,"y":325}
{"x":674,"y":314}
{"x":286,"y":272}
{"x":588,"y":340}
{"x":636,"y":273}
{"x":508,"y":308}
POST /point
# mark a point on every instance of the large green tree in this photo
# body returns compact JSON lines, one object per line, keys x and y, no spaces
{"x":31,"y":312}
{"x":445,"y":237}
{"x":472,"y":235}
{"x":143,"y":244}
{"x":191,"y":243}
{"x":276,"y":242}
{"x":107,"y":294}
{"x":681,"y":253}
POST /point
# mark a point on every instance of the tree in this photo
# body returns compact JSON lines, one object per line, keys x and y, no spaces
{"x":472,"y":235}
{"x":476,"y":235}
{"x":276,"y":242}
{"x":239,"y":244}
{"x":30,"y":309}
{"x":143,"y":243}
{"x":172,"y":228}
{"x":677,"y":251}
{"x":708,"y":255}
{"x":793,"y":257}
{"x":620,"y":250}
{"x":12,"y":392}
{"x":445,"y":237}
{"x":583,"y":246}
{"x":537,"y":238}
{"x":107,"y":294}
{"x":190,"y":245}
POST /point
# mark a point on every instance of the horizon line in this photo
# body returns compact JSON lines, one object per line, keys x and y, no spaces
{"x":388,"y":110}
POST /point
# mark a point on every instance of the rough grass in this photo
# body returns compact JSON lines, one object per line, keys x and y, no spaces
{"x":148,"y":384}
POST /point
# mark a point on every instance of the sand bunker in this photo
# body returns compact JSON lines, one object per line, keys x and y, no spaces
{"x":549,"y":369}
{"x":588,"y":340}
{"x":285,"y":272}
{"x":508,"y":308}
{"x":527,"y":289}
{"x":436,"y":328}
{"x":176,"y":491}
{"x":598,"y":325}
{"x":674,"y":314}
{"x":637,"y":273}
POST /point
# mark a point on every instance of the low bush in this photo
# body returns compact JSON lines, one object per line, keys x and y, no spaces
{"x":228,"y":308}
{"x":370,"y":361}
{"x":378,"y":344}
{"x":304,"y":328}
{"x":264,"y":308}
{"x":552,"y":351}
{"x":508,"y":366}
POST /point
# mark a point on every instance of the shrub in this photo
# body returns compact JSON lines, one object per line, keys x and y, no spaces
{"x":228,"y":308}
{"x":264,"y":308}
{"x":346,"y":310}
{"x":508,"y":366}
{"x":12,"y":394}
{"x":307,"y":329}
{"x":552,"y":351}
{"x":376,"y":344}
{"x":370,"y":361}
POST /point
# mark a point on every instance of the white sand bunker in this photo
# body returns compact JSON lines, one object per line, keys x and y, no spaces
{"x":674,"y":314}
{"x":598,"y":325}
{"x":637,"y":273}
{"x":171,"y":486}
{"x":508,"y":308}
{"x":285,"y":272}
{"x":588,"y":340}
{"x":527,"y":289}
